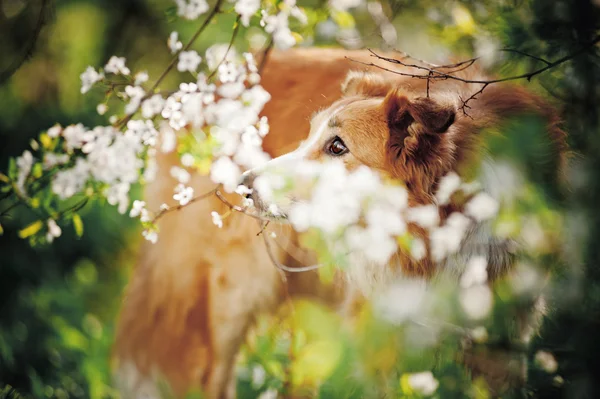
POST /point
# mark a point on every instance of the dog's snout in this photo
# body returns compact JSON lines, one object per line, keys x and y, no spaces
{"x":248,"y":180}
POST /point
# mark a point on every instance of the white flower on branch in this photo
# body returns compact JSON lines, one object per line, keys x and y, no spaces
{"x":116,"y":65}
{"x":88,"y":78}
{"x":69,"y":182}
{"x":482,"y":207}
{"x":227,"y":173}
{"x":54,"y":131}
{"x":153,"y":106}
{"x":188,"y":61}
{"x":174,"y":44}
{"x":140,"y":78}
{"x":52,"y":159}
{"x":135,"y":94}
{"x":246,"y":9}
{"x":448,"y":186}
{"x":183,"y":194}
{"x":75,"y":137}
{"x":423,"y":383}
{"x":150,"y":235}
{"x":270,"y":393}
{"x":475,"y":273}
{"x":191,"y":9}
{"x":546,"y":361}
{"x":137,"y":208}
{"x":220,"y":53}
{"x":24,"y":166}
{"x":216,"y":219}
{"x":101,"y":109}
{"x":54,"y":231}
{"x":426,"y":216}
{"x":476,"y":301}
{"x":180,"y":174}
{"x":445,"y":240}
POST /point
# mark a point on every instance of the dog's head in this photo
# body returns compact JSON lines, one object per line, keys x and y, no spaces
{"x":386,"y":127}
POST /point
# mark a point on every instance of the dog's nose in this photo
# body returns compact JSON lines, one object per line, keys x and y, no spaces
{"x":248,"y":179}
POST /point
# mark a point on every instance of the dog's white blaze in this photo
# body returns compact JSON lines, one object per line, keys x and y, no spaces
{"x":300,"y":152}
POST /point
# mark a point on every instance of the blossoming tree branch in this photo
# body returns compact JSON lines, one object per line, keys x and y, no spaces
{"x":68,"y":166}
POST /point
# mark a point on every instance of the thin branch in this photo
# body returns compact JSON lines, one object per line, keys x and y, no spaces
{"x":236,"y":29}
{"x":163,"y":212}
{"x":282,"y":266}
{"x":216,"y":9}
{"x":265,"y":56}
{"x":238,"y":208}
{"x":510,"y":50}
{"x":433,"y":72}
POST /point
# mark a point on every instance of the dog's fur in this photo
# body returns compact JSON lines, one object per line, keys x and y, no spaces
{"x":196,"y":292}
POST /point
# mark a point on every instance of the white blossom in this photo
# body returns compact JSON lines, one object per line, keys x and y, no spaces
{"x":423,"y":383}
{"x":117,"y":66}
{"x":426,"y":216}
{"x":475,"y":273}
{"x":188,"y":61}
{"x":67,"y":183}
{"x":402,"y":300}
{"x":191,"y":9}
{"x":221,"y":53}
{"x":418,"y":250}
{"x":54,"y":131}
{"x":180,"y":174}
{"x":183,"y":194}
{"x":174,"y":44}
{"x":88,"y":78}
{"x":150,"y":235}
{"x":54,"y":231}
{"x":101,"y":109}
{"x":153,"y":106}
{"x":24,"y":166}
{"x":52,"y":159}
{"x":476,"y":301}
{"x":258,"y":376}
{"x":546,"y":361}
{"x":135,"y":94}
{"x":445,"y":240}
{"x":137,"y":208}
{"x":140,"y":77}
{"x":447,"y":186}
{"x":216,"y":219}
{"x":482,"y":207}
{"x":224,"y":171}
{"x":246,"y":9}
{"x":270,"y":393}
{"x":187,"y":160}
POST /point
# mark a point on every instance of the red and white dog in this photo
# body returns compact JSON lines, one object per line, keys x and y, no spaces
{"x":195,"y":293}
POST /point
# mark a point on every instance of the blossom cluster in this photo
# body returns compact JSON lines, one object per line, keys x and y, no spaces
{"x":358,"y":212}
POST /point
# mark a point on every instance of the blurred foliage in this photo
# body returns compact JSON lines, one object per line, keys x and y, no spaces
{"x":59,"y":302}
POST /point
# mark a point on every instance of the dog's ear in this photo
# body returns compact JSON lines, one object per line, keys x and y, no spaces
{"x":429,"y":116}
{"x":365,"y":84}
{"x":419,"y":149}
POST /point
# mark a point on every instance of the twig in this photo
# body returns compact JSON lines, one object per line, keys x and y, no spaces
{"x":447,"y":75}
{"x":282,"y":266}
{"x":179,"y":207}
{"x":433,"y":72}
{"x":265,"y":56}
{"x":237,"y":208}
{"x":510,"y":50}
{"x":216,"y":9}
{"x":233,"y":36}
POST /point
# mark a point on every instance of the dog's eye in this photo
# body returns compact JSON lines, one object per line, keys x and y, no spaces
{"x":337,"y":147}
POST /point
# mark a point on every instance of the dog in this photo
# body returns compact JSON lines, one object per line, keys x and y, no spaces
{"x":196,"y":292}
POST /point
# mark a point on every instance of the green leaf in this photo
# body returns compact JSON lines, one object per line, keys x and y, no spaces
{"x":31,"y":229}
{"x":78,"y":224}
